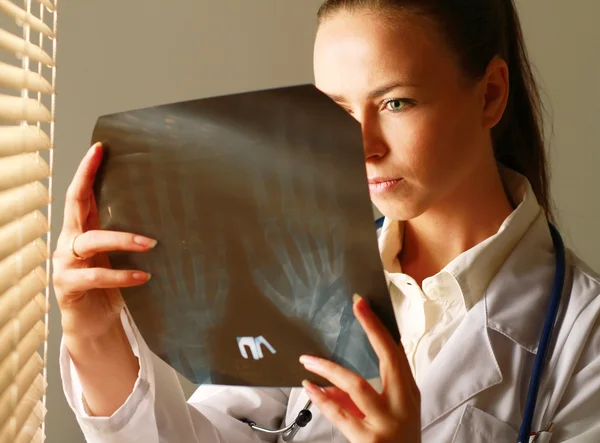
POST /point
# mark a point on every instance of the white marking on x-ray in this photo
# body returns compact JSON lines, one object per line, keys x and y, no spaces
{"x":254,"y":344}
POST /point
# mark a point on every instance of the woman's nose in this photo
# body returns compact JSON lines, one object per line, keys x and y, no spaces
{"x":374,"y":143}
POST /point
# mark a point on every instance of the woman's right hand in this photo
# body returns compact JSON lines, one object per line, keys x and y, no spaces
{"x":87,"y":289}
{"x":88,"y":294}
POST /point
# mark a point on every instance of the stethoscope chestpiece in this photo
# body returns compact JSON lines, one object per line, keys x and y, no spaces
{"x":304,"y":417}
{"x":289,"y":432}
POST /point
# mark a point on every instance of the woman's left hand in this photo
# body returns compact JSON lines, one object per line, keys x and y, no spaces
{"x":361,"y":413}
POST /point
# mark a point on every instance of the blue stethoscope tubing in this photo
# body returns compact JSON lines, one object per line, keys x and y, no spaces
{"x":546,"y":336}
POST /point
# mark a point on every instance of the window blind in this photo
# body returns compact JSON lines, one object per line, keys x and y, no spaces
{"x":27,"y":98}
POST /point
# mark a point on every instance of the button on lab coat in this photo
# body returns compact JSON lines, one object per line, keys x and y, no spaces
{"x":474,"y":390}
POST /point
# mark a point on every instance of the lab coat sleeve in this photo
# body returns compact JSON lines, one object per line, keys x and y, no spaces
{"x":157,"y":411}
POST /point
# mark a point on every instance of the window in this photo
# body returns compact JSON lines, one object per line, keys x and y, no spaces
{"x":27,"y":80}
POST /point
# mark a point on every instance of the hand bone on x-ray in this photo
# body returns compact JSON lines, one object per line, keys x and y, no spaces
{"x":196,"y":299}
{"x":295,"y":225}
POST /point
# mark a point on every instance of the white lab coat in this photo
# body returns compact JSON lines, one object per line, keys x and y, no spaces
{"x":474,"y":391}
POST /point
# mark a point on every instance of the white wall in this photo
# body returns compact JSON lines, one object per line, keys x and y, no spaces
{"x":115,"y":55}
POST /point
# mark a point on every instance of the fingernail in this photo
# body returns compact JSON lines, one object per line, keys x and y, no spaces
{"x":308,"y":360}
{"x":356,"y":298}
{"x":311,"y":388}
{"x":144,"y":241}
{"x":142,"y":276}
{"x":94,"y":147}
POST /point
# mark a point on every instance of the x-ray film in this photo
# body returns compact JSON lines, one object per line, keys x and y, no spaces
{"x":260,"y":205}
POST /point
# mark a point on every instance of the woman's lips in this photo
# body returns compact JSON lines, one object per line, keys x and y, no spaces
{"x":381,"y":185}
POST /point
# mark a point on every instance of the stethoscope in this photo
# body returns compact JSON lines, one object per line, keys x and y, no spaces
{"x":304,"y":416}
{"x":289,"y":432}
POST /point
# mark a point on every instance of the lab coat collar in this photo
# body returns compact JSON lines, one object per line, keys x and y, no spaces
{"x":475,"y":269}
{"x":390,"y":244}
{"x":517,"y":299}
{"x":513,"y":305}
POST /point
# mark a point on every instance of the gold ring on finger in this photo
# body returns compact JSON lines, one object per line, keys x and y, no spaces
{"x":75,"y":254}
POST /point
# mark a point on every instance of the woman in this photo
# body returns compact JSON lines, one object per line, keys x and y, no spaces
{"x":455,"y":158}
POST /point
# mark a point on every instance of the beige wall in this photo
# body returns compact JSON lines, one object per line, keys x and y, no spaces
{"x":564,"y":41}
{"x":115,"y":55}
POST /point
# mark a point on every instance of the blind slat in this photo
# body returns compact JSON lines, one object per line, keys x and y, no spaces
{"x":33,"y":365}
{"x":12,"y":395}
{"x":29,"y":405}
{"x":31,"y":432}
{"x":20,"y":232}
{"x":20,"y":326}
{"x":15,"y":266}
{"x":21,"y":47}
{"x":21,"y":17}
{"x":21,"y":293}
{"x":18,"y":78}
{"x":48,"y":4}
{"x":21,"y":139}
{"x":38,"y":437}
{"x":16,"y":109}
{"x":21,"y":169}
{"x":17,"y":202}
{"x":17,"y":359}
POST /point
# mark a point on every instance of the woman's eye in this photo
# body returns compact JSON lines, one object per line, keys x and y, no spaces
{"x":395,"y":105}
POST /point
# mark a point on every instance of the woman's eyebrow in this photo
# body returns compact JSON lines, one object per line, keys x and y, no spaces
{"x":336,"y":98}
{"x":387,"y":88}
{"x":376,"y":93}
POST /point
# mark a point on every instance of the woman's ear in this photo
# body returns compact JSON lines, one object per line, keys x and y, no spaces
{"x":495,"y":84}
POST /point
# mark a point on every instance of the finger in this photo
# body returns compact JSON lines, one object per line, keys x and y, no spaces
{"x":396,"y":376}
{"x":78,"y":193}
{"x":344,"y":400}
{"x":71,"y":281}
{"x":359,"y":390}
{"x":91,"y":243}
{"x":352,"y":427}
{"x":93,"y":220}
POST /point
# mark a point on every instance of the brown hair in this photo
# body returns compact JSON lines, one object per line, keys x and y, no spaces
{"x":479,"y":30}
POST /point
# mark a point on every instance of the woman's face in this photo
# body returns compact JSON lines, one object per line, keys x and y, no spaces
{"x":421,"y":118}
